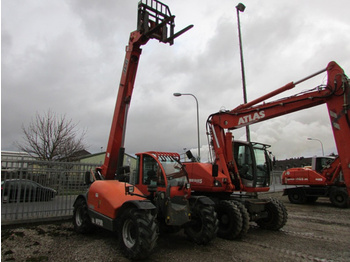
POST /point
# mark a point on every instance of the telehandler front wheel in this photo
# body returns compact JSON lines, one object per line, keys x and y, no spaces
{"x":81,"y":219}
{"x":137,"y":232}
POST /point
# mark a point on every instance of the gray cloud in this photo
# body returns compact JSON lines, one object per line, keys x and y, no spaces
{"x":68,"y":55}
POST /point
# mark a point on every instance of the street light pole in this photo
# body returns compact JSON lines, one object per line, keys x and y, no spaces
{"x":199,"y":143}
{"x":240,"y":8}
{"x":309,"y":138}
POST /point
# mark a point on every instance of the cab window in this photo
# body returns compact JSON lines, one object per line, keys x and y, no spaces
{"x":151,"y":171}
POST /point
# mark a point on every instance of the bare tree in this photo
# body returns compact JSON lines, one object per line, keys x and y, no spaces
{"x":52,"y":137}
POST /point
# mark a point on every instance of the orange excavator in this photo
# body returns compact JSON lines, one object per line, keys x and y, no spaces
{"x":325,"y":178}
{"x":160,"y":194}
{"x":240,"y":170}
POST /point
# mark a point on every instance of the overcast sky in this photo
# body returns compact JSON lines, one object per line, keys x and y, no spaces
{"x":67,"y":55}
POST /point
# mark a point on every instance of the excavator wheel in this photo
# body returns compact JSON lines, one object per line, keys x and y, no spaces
{"x":339,"y":197}
{"x":245,"y":219}
{"x":276,"y":216}
{"x":230,"y":219}
{"x":284,"y":213}
{"x":204,"y":224}
{"x":296,"y":196}
{"x":81,"y":219}
{"x":137,"y":232}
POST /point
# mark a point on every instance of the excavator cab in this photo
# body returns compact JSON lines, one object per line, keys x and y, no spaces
{"x":319,"y":163}
{"x":253,"y":163}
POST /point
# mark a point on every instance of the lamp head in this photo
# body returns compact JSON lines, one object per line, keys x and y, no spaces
{"x":240,"y":7}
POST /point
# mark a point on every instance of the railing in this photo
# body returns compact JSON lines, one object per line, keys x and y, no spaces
{"x":21,"y":203}
{"x":40,"y":190}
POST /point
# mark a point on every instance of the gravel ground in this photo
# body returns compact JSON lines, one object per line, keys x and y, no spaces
{"x":318,"y":232}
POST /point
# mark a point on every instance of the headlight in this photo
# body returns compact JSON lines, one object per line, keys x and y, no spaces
{"x":217,"y":183}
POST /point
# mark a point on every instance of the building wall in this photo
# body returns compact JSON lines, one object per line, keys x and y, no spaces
{"x":100,"y":157}
{"x":12,"y":155}
{"x":94,"y":159}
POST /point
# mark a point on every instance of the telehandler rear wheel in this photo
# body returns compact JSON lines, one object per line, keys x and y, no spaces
{"x":81,"y":219}
{"x":138,"y":233}
{"x":204,"y":225}
{"x":230,"y":220}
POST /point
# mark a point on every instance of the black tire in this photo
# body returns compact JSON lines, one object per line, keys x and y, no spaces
{"x":284,"y":213}
{"x":137,"y":233}
{"x":296,"y":196}
{"x":81,"y":219}
{"x":204,"y":224}
{"x":276,"y":216}
{"x":245,"y":219}
{"x":339,"y":197}
{"x":230,"y":220}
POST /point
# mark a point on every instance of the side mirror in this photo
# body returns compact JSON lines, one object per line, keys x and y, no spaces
{"x":215,"y":170}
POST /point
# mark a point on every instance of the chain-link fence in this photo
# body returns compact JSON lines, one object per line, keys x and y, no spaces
{"x":40,"y":190}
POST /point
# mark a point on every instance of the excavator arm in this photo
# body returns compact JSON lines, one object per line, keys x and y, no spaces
{"x":336,"y":94}
{"x":154,"y":21}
